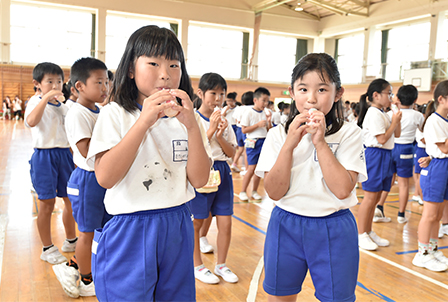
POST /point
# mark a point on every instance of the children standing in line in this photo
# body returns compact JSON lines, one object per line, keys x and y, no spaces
{"x":255,"y":125}
{"x":378,"y":138}
{"x":212,"y":89}
{"x":52,"y":161}
{"x":403,"y":151}
{"x":247,"y":100}
{"x":150,"y":164}
{"x":311,"y":166}
{"x":433,"y":181}
{"x":89,"y":77}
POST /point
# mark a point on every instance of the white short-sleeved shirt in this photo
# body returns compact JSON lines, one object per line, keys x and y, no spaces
{"x":410,"y":121}
{"x":239,"y":111}
{"x":249,"y":118}
{"x":79,"y":124}
{"x":229,"y":135}
{"x":436,"y":131}
{"x":276,"y":118}
{"x":230,"y":112}
{"x":376,"y":122}
{"x":157,"y":178}
{"x":418,"y":138}
{"x":50,"y":131}
{"x":69,"y":103}
{"x":308,"y":194}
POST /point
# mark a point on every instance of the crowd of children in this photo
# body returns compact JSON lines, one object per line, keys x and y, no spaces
{"x":143,"y":163}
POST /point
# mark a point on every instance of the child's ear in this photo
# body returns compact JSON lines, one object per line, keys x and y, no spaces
{"x":36,"y":84}
{"x":131,"y":73}
{"x":339,"y":94}
{"x":291,"y":92}
{"x":79,"y":85}
{"x":200,"y":94}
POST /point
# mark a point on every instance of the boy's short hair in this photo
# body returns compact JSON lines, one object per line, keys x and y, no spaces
{"x":260,"y":91}
{"x":247,"y":98}
{"x":82,"y":68}
{"x":407,"y":95}
{"x":44,"y":68}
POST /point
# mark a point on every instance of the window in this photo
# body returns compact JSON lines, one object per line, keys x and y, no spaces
{"x":41,"y":33}
{"x":216,"y":50}
{"x":406,"y":44}
{"x":350,"y":58}
{"x":118,"y":30}
{"x":276,"y":58}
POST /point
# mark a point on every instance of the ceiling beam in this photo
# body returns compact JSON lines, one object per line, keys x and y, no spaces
{"x":339,"y":10}
{"x":360,"y":3}
{"x":268,"y":4}
{"x":304,"y":13}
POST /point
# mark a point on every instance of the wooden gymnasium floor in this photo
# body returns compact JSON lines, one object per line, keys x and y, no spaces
{"x":385,"y":275}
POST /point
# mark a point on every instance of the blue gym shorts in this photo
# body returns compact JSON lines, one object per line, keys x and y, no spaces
{"x":379,"y":170}
{"x":219,"y":202}
{"x":235,"y":129}
{"x":419,"y":153}
{"x":50,"y":171}
{"x":87,"y":198}
{"x":434,"y":180}
{"x":327,"y":246}
{"x":240,"y":137}
{"x":145,"y":256}
{"x":403,"y":160}
{"x":253,"y":154}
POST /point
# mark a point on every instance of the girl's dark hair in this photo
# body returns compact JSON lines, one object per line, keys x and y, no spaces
{"x":326,"y":67}
{"x":441,"y":90}
{"x":67,"y":90}
{"x":377,"y":85}
{"x":232,"y":95}
{"x":247,"y":98}
{"x":407,"y":95}
{"x":211,"y":81}
{"x":430,"y":109}
{"x":150,"y":41}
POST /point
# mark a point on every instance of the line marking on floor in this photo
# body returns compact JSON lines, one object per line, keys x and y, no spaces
{"x":415,"y":251}
{"x":253,"y":287}
{"x":403,"y":268}
{"x":3,"y":224}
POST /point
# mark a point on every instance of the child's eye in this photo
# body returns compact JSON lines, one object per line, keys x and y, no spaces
{"x":302,"y":90}
{"x":153,"y":64}
{"x":322,"y":90}
{"x":174,"y":66}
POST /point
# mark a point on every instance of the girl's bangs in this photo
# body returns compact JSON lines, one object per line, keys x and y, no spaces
{"x":162,"y":43}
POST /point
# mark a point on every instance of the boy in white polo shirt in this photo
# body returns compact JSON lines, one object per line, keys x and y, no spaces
{"x":90,"y":79}
{"x":52,"y":161}
{"x":403,"y":151}
{"x":255,"y":124}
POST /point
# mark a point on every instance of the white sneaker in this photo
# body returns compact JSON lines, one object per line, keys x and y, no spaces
{"x":440,"y":256}
{"x":203,"y":274}
{"x":226,"y":274}
{"x":204,"y":246}
{"x":378,"y":240}
{"x":67,"y":276}
{"x":379,"y":217}
{"x":235,"y":168}
{"x":86,"y":290}
{"x":68,"y":247}
{"x":366,"y":243}
{"x":402,"y":219}
{"x":243,"y":196}
{"x":443,"y":230}
{"x":255,"y":195}
{"x":430,"y":262}
{"x":53,"y":256}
